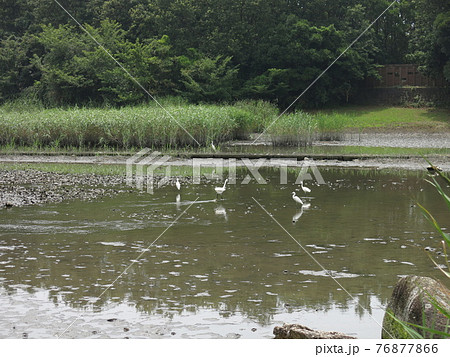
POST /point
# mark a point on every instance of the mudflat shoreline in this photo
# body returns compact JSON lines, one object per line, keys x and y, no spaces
{"x":22,"y":186}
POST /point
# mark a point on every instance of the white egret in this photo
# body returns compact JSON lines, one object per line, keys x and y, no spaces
{"x":178,"y":184}
{"x":296,"y":198}
{"x":305,"y":189}
{"x":221,"y":190}
{"x":213,"y":146}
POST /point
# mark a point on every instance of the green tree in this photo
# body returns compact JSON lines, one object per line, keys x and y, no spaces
{"x":62,"y":80}
{"x":150,"y":63}
{"x":442,"y":31}
{"x":429,"y":45}
{"x":207,"y":79}
{"x":15,"y":70}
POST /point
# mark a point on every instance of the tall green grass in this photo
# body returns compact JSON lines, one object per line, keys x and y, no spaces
{"x":143,"y":126}
{"x":27,"y":123}
{"x":301,"y":129}
{"x":295,"y":129}
{"x":261,"y":114}
{"x":330,"y":126}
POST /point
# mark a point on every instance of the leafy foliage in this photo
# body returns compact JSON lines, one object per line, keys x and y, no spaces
{"x":208,"y":79}
{"x":212,"y":50}
{"x":430,"y":44}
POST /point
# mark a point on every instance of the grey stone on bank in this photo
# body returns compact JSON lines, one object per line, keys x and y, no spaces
{"x":295,"y":331}
{"x":410,"y":302}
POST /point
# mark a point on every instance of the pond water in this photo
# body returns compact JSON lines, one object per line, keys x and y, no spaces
{"x":224,"y":269}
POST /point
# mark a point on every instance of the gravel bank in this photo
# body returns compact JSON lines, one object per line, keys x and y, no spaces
{"x":28,"y":187}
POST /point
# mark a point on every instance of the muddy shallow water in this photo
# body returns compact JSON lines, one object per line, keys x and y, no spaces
{"x":225,"y":268}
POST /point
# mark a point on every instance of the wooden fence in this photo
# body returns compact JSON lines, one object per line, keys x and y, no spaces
{"x":402,"y":75}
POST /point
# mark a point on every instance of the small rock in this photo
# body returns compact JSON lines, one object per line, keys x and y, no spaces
{"x":253,"y":329}
{"x":112,"y":320}
{"x":173,"y":333}
{"x":126,"y":329}
{"x":24,"y":335}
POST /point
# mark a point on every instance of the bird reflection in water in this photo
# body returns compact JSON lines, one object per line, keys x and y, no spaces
{"x":178,"y":201}
{"x":221,"y":211}
{"x":297,"y":216}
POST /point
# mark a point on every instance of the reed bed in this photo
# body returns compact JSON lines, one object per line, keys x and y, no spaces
{"x":261,"y":115}
{"x":186,"y":126}
{"x":301,"y":129}
{"x":295,"y":129}
{"x":144,"y":126}
{"x":330,"y":127}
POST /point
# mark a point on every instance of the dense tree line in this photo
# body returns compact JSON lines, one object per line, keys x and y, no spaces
{"x":212,"y":50}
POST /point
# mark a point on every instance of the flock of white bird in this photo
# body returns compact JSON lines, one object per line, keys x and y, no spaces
{"x":221,"y":189}
{"x":298,"y":199}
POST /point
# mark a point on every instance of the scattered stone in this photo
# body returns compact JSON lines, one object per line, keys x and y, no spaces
{"x":291,"y":331}
{"x":30,"y":187}
{"x":112,"y":320}
{"x":94,"y":332}
{"x":126,"y":329}
{"x":253,"y":329}
{"x":411,"y":302}
{"x":173,"y":333}
{"x":25,"y":335}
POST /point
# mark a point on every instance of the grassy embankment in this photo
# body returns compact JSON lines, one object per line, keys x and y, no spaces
{"x":130,"y":128}
{"x":431,"y":119}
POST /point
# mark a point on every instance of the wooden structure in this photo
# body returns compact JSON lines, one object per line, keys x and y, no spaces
{"x":403,"y":75}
